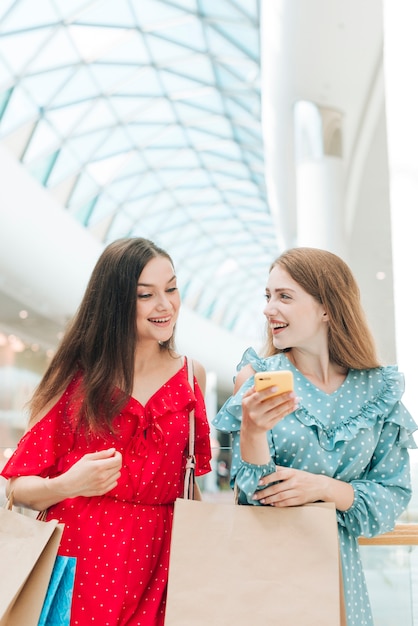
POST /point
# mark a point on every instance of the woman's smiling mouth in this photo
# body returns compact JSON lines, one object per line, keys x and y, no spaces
{"x":160,"y":320}
{"x":278,"y":326}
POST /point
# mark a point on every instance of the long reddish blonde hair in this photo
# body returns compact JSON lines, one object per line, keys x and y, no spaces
{"x":328,"y":279}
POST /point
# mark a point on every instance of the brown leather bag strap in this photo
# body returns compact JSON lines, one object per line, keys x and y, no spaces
{"x":189,"y":478}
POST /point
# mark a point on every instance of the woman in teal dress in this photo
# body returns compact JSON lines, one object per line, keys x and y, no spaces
{"x":343,"y":435}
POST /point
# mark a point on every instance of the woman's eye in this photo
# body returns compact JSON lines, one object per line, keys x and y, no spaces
{"x":172,"y":290}
{"x":267,"y":296}
{"x":143,"y":296}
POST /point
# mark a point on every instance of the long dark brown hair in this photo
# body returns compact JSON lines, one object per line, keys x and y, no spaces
{"x":100,"y":341}
{"x":328,"y":279}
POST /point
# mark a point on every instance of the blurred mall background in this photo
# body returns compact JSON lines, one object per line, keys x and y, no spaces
{"x":225,"y":131}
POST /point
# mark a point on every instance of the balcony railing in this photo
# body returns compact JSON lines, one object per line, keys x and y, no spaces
{"x":401,"y":535}
{"x":391,"y":567}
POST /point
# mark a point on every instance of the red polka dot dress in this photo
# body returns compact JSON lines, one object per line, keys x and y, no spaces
{"x":121,"y":540}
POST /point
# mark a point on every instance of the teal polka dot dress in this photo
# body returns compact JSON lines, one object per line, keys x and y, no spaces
{"x":359,"y":434}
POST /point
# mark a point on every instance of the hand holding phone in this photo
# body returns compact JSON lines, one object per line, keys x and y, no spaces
{"x":282,"y":379}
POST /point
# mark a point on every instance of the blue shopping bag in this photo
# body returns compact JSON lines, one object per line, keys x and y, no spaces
{"x":56,"y":610}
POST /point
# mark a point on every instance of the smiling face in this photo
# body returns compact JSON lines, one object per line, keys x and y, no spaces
{"x":295,"y":318}
{"x":158,"y":301}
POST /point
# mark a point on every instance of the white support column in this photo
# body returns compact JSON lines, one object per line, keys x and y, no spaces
{"x":319,"y":177}
{"x":400,"y":54}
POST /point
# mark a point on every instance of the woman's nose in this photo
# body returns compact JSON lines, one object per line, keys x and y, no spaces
{"x":163,"y":301}
{"x":269,"y":308}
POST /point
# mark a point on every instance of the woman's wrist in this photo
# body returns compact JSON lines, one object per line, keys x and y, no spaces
{"x":338,"y":492}
{"x":254,"y":446}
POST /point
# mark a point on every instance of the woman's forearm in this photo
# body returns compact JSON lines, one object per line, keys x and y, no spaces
{"x":254,"y":446}
{"x":35,"y":492}
{"x":94,"y":474}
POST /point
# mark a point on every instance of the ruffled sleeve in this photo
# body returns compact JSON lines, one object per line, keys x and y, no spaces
{"x":228,"y":419}
{"x":39,"y":451}
{"x":202,"y":434}
{"x":384,"y":492}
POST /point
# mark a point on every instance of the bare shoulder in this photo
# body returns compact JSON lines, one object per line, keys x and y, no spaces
{"x":200,"y":373}
{"x":243,"y":375}
{"x":36,"y":417}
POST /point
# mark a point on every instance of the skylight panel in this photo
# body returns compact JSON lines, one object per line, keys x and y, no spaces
{"x":19,"y":49}
{"x":21,"y":17}
{"x":187,"y":32}
{"x":104,"y":206}
{"x":105,"y":170}
{"x":78,"y":88}
{"x":41,"y":168}
{"x":121,"y":190}
{"x":144,"y":83}
{"x":129,"y":49}
{"x":120,"y":226}
{"x":66,"y":164}
{"x":57,"y":51}
{"x":66,"y":118}
{"x":108,"y":12}
{"x":117,"y":142}
{"x":222,"y":10}
{"x":151,"y":12}
{"x":195,"y":67}
{"x":85,"y":189}
{"x":144,"y":118}
{"x":85,"y":146}
{"x":98,"y":114}
{"x":43,"y":87}
{"x":164,"y":52}
{"x":112,"y":76}
{"x":43,"y":141}
{"x":91,"y":42}
{"x":19,"y":110}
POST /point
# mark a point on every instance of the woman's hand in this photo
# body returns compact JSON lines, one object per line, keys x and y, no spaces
{"x":260,"y":413}
{"x":94,"y":474}
{"x":297,"y":487}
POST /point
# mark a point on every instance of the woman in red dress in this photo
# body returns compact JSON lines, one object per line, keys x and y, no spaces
{"x":107,"y":441}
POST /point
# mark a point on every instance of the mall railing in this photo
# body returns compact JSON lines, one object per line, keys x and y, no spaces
{"x":401,"y":535}
{"x":391,"y":567}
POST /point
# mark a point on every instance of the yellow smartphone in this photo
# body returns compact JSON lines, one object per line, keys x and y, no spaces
{"x":282,"y":379}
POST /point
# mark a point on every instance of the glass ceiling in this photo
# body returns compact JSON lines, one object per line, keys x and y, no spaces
{"x":142,"y":117}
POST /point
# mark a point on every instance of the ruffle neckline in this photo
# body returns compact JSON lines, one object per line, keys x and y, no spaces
{"x":166,"y":400}
{"x":379,"y":407}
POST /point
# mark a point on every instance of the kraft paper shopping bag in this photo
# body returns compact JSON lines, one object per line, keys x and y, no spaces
{"x":28,"y":548}
{"x":251,"y":565}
